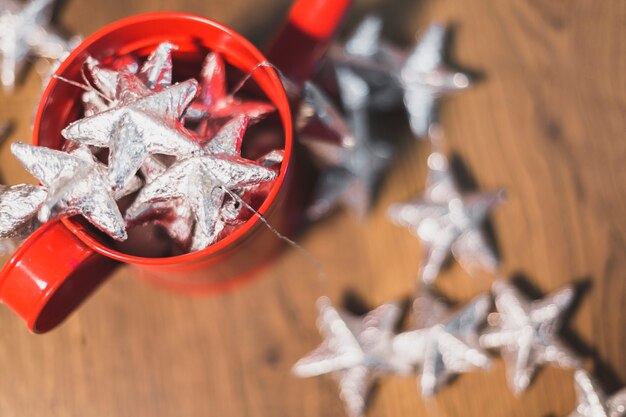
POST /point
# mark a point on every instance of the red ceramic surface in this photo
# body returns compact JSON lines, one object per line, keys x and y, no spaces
{"x":60,"y":265}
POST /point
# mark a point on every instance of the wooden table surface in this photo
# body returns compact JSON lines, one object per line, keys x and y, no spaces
{"x":547,"y":122}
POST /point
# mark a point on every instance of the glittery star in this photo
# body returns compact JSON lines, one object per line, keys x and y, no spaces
{"x":76,"y":184}
{"x":426,"y":78}
{"x":203,"y":180}
{"x":445,"y":344}
{"x":19,"y":205}
{"x":526,"y":333}
{"x":352,"y":173}
{"x":24,"y":32}
{"x":176,"y":215}
{"x":593,"y":402}
{"x":355,"y":351}
{"x":447,"y":221}
{"x":316,"y":108}
{"x":137,"y":128}
{"x":377,"y":62}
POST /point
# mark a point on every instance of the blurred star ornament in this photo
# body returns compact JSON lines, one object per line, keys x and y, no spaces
{"x":19,"y":205}
{"x":146,"y":124}
{"x":203,"y":180}
{"x":593,"y":402}
{"x":426,"y":78}
{"x":215,"y":105}
{"x":446,"y":220}
{"x":317,"y":107}
{"x":352,"y":173}
{"x":526,"y":333}
{"x":445,"y":344}
{"x":355,"y":351}
{"x":376,"y":61}
{"x":25,"y":32}
{"x":77,"y":184}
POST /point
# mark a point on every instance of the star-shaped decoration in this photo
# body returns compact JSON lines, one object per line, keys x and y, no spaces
{"x":203,"y":180}
{"x":319,"y":118}
{"x":593,"y":401}
{"x":176,"y":215}
{"x":352,"y":173}
{"x":446,"y":220}
{"x":215,"y":105}
{"x":444,"y":344}
{"x":376,"y":61}
{"x":426,"y":78}
{"x":526,"y":332}
{"x":19,"y":205}
{"x":24,"y":32}
{"x":142,"y":125}
{"x":76,"y":183}
{"x":355,"y":351}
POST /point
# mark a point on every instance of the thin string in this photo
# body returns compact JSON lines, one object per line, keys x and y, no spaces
{"x":85,"y":87}
{"x":287,"y":84}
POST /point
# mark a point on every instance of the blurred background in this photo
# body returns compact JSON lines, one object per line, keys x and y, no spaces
{"x":546,"y":121}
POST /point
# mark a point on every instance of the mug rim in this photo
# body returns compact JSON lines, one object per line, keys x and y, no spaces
{"x":240,"y":232}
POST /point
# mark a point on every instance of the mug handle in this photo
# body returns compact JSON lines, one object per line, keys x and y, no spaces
{"x":305,"y":36}
{"x":50,"y":275}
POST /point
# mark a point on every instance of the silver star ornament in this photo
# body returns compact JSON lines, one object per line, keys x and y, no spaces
{"x":526,"y":333}
{"x":355,"y":351}
{"x":76,"y":183}
{"x":19,"y":205}
{"x":203,"y":180}
{"x":444,"y":344}
{"x":593,"y":401}
{"x":351,"y":173}
{"x":145,"y":124}
{"x":25,"y":32}
{"x":447,"y":221}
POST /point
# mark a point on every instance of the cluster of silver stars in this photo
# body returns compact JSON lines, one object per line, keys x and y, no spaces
{"x":371,"y":75}
{"x":195,"y":181}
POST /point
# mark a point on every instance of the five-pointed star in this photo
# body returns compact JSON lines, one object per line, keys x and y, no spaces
{"x":317,"y":108}
{"x":352,"y":173}
{"x":593,"y":402}
{"x":526,"y":333}
{"x":203,"y":180}
{"x":447,"y":221}
{"x":425,"y":78}
{"x":176,"y":215}
{"x":377,"y":62}
{"x":138,"y":127}
{"x":19,"y":205}
{"x":76,"y":183}
{"x":444,"y":344}
{"x":355,"y":351}
{"x":214,"y":105}
{"x":154,"y":74}
{"x":23,"y":31}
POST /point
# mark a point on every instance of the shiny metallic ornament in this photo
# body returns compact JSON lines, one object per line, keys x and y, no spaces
{"x":426,"y":78}
{"x":443,"y":344}
{"x":145,"y":123}
{"x":24,"y":32}
{"x":447,"y":221}
{"x":352,"y":173}
{"x":156,"y":72}
{"x":593,"y":402}
{"x":317,"y":107}
{"x":215,"y":105}
{"x":19,"y":205}
{"x":203,"y":180}
{"x":176,"y":215}
{"x":526,"y":332}
{"x":77,"y":184}
{"x":376,"y":61}
{"x":355,"y":351}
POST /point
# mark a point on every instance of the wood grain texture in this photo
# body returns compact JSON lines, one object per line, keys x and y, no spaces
{"x":547,"y":122}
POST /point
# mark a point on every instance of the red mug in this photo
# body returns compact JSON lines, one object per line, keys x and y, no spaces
{"x":60,"y":265}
